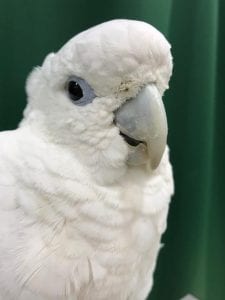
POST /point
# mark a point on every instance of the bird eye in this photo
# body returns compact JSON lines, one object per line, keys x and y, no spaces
{"x":74,"y":90}
{"x":79,"y":91}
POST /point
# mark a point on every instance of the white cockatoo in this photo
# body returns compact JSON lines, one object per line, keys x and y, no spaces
{"x":85,"y":181}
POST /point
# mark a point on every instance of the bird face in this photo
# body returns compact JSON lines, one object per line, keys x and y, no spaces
{"x":102,"y":93}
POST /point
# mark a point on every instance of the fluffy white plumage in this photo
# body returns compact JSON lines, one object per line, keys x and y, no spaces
{"x":76,"y":221}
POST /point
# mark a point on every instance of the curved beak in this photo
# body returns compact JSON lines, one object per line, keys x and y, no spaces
{"x":143,"y":124}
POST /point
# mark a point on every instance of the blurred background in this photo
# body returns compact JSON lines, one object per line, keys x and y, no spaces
{"x":192,"y":260}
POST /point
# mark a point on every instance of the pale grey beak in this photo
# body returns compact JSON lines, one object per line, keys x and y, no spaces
{"x":143,"y":124}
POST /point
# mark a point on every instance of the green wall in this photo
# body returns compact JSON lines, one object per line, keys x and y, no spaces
{"x":192,"y":260}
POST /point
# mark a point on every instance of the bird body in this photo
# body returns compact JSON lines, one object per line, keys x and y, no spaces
{"x":76,"y":220}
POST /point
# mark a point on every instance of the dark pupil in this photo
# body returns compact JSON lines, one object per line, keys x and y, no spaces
{"x":75,"y":90}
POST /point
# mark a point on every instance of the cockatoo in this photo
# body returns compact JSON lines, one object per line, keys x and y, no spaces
{"x":85,"y":180}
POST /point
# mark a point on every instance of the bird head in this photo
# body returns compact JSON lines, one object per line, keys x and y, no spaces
{"x":101,"y":95}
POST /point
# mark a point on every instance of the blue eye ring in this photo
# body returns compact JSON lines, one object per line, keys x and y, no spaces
{"x":79,"y":91}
